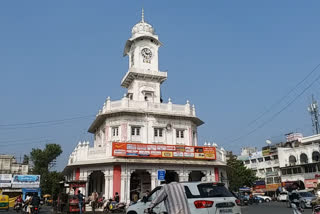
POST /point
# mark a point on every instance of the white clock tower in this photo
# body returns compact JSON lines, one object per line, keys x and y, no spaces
{"x":143,"y":78}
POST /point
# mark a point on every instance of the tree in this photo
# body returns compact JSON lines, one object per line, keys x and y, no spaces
{"x":25,"y":159}
{"x":238,"y":174}
{"x":43,"y":161}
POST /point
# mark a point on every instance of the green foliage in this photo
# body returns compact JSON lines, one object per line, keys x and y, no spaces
{"x":42,"y":161}
{"x":239,"y":175}
{"x":25,"y":159}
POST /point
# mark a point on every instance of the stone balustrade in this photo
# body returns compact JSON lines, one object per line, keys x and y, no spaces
{"x":145,"y":106}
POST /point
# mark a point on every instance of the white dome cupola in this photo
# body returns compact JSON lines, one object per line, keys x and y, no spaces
{"x":142,"y":28}
{"x":143,"y":78}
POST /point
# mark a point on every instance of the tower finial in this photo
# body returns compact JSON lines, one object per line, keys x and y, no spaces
{"x":142,"y":15}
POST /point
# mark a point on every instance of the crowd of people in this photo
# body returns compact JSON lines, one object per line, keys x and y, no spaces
{"x":28,"y":205}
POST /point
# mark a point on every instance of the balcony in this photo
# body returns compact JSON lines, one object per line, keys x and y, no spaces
{"x":126,"y":104}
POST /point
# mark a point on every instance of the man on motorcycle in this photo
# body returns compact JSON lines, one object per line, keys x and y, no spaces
{"x":294,"y":200}
{"x":18,"y":203}
{"x":35,"y":202}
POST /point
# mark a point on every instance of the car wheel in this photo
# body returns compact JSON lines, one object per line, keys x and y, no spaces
{"x":131,"y":212}
{"x":268,"y":200}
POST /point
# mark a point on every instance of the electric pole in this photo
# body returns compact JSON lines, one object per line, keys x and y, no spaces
{"x":314,"y":112}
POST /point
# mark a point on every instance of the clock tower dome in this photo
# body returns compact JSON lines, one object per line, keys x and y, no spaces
{"x":143,"y":78}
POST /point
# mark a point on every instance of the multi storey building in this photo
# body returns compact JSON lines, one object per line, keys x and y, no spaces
{"x":265,"y":164}
{"x":299,"y":161}
{"x":9,"y":165}
{"x":295,"y":161}
{"x":138,"y":136}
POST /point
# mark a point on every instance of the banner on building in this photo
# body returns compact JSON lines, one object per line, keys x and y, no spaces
{"x":5,"y":180}
{"x":310,"y":183}
{"x":163,"y":151}
{"x":294,"y":137}
{"x":26,"y":181}
{"x":272,"y":187}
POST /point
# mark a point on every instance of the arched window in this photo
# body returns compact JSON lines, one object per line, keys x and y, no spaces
{"x":292,"y":159}
{"x":315,"y":156}
{"x":303,"y":158}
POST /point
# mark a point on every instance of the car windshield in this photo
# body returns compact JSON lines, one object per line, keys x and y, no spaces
{"x":213,"y":190}
{"x":283,"y":193}
{"x":306,"y":194}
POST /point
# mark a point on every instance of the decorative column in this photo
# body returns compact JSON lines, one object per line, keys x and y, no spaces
{"x":110,"y":184}
{"x":128,"y":194}
{"x":154,"y":180}
{"x":106,"y":184}
{"x":123,"y":185}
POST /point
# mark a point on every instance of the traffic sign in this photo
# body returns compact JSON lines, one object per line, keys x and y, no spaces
{"x":161,"y":174}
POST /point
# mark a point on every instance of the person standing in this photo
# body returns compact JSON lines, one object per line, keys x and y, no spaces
{"x":80,"y":200}
{"x":174,"y":197}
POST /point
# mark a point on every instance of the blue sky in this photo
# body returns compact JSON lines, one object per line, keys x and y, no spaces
{"x":232,"y":59}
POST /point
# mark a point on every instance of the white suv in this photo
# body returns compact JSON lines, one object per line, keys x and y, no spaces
{"x":203,"y":198}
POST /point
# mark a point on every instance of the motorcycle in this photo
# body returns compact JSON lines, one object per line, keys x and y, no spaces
{"x":18,"y":207}
{"x":296,"y":208}
{"x":35,"y":210}
{"x":114,"y":207}
{"x":316,"y":209}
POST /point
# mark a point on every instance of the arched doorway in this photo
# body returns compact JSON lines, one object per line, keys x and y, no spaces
{"x":303,"y":158}
{"x":315,"y":156}
{"x":96,"y":183}
{"x":140,"y":182}
{"x":172,"y":176}
{"x":292,"y":160}
{"x":196,"y":176}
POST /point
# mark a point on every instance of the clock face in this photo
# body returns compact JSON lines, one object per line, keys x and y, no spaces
{"x":146,"y":53}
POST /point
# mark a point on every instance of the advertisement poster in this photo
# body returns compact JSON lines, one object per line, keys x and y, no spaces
{"x":311,"y":183}
{"x":26,"y":181}
{"x":5,"y":180}
{"x":163,"y":151}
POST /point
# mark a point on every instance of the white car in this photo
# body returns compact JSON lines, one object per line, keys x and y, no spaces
{"x":203,"y":198}
{"x":283,"y":196}
{"x":265,"y":198}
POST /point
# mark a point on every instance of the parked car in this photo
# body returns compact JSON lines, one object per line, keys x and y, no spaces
{"x":264,"y":198}
{"x":283,"y":196}
{"x":203,"y":198}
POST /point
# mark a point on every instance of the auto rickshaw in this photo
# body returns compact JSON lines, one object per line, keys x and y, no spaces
{"x":4,"y":202}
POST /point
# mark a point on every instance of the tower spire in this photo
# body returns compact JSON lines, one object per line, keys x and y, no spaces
{"x":142,"y":15}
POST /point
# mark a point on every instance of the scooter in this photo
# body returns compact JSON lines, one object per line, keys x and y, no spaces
{"x":114,"y":207}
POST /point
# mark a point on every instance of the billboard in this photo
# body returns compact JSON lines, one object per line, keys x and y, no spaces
{"x":26,"y":181}
{"x":163,"y":151}
{"x":5,"y":180}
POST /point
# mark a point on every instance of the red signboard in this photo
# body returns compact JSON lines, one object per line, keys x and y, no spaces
{"x":163,"y":151}
{"x":310,"y":183}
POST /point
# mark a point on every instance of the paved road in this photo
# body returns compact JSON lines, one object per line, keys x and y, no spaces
{"x":270,"y":208}
{"x":44,"y":210}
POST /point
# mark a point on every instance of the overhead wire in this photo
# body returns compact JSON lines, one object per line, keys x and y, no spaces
{"x":48,"y":121}
{"x":283,"y":97}
{"x":278,"y":112}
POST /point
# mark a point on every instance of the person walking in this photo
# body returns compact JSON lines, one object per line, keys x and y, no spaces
{"x":174,"y":197}
{"x":80,"y":200}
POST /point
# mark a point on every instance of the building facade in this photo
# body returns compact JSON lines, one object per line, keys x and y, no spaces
{"x":299,"y":161}
{"x":265,"y":163}
{"x":295,"y":161}
{"x":9,"y":165}
{"x":138,"y":135}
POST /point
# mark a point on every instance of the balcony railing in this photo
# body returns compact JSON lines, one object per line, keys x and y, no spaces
{"x":145,"y":106}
